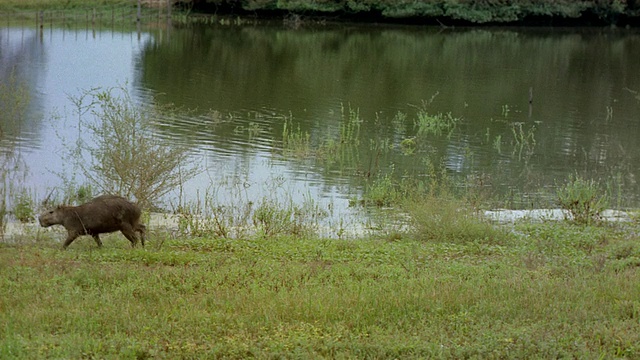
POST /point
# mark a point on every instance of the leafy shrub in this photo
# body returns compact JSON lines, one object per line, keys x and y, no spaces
{"x":121,"y":154}
{"x":583,"y":199}
{"x":24,"y":206}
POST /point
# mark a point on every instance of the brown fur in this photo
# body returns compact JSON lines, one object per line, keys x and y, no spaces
{"x":103,"y":214}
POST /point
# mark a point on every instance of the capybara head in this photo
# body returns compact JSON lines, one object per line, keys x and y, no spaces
{"x":51,"y":217}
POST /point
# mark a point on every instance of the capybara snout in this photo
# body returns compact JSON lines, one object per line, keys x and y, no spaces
{"x":103,"y":214}
{"x":50,"y":217}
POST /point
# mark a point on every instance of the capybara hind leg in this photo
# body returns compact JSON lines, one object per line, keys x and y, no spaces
{"x":96,"y":237}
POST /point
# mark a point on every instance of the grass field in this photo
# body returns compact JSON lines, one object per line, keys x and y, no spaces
{"x":58,"y":4}
{"x":454,"y":287}
{"x":545,"y":290}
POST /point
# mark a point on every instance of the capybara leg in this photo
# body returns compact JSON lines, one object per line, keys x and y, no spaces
{"x":128,"y":232}
{"x":70,"y":237}
{"x":142,"y":231}
{"x":96,"y":237}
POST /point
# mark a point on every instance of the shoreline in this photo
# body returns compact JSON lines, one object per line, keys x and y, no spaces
{"x":171,"y":224}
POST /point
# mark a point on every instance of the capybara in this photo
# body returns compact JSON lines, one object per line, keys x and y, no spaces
{"x":103,"y":214}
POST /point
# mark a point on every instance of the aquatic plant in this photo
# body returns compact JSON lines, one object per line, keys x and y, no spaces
{"x":238,"y":215}
{"x":350,"y":125}
{"x":295,"y":141}
{"x":523,"y":140}
{"x":497,"y":143}
{"x":382,"y":191}
{"x":583,"y":199}
{"x":408,"y":146}
{"x":205,"y":216}
{"x":435,"y":124}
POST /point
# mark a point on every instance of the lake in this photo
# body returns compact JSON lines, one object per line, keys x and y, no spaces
{"x":530,"y":106}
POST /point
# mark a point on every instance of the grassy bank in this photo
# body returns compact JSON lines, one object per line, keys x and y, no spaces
{"x":553,"y":290}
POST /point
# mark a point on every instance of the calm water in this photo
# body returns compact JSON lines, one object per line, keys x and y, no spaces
{"x":241,"y":82}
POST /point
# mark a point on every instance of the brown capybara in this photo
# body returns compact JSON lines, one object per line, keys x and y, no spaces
{"x":103,"y":214}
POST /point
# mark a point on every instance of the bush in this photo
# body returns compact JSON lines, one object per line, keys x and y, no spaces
{"x":24,"y":206}
{"x":583,"y":199}
{"x":121,"y":154}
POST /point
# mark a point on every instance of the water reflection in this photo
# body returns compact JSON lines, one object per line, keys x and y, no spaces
{"x":21,"y":60}
{"x":578,"y":81}
{"x":242,"y":83}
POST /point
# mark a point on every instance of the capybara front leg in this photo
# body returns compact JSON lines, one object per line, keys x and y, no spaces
{"x":96,"y":237}
{"x":70,"y":237}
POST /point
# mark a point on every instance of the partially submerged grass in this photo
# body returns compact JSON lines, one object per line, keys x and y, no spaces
{"x":583,"y":198}
{"x":450,"y":220}
{"x":555,"y":290}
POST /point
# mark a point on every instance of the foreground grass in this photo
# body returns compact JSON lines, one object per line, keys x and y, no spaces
{"x":553,"y":290}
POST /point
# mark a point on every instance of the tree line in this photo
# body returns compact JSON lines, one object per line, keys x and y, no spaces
{"x":544,"y":12}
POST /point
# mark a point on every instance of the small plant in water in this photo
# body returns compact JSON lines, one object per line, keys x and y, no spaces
{"x":524,"y":139}
{"x":295,"y":141}
{"x":272,"y":217}
{"x":382,"y":192}
{"x":497,"y":143}
{"x":438,"y":124}
{"x":408,"y":146}
{"x":583,"y":199}
{"x":350,"y":126}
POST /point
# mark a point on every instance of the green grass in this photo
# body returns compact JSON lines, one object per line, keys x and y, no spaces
{"x":553,"y":290}
{"x":61,"y":4}
{"x":66,"y":12}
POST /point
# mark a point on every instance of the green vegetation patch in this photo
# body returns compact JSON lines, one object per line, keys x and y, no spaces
{"x":60,"y":4}
{"x":551,"y":290}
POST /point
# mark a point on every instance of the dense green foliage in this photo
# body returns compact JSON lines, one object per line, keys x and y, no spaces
{"x":481,"y":11}
{"x":475,"y":12}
